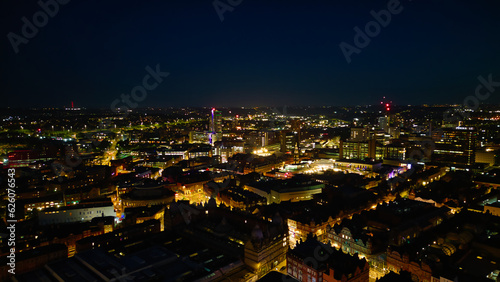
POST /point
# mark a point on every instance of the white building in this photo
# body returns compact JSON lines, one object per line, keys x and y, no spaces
{"x":78,"y":213}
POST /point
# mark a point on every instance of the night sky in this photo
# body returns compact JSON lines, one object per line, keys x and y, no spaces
{"x":278,"y":53}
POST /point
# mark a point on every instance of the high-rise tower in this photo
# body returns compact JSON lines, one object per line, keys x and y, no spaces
{"x":297,"y":130}
{"x":215,"y":126}
{"x":455,"y":145}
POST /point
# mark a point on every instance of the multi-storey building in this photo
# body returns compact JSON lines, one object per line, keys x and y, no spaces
{"x":359,"y":150}
{"x":78,"y":213}
{"x":295,"y":189}
{"x":313,"y":261}
{"x":299,"y":229}
{"x":455,"y":146}
{"x":359,"y":134}
{"x":420,"y":271}
{"x":265,"y":255}
{"x":215,"y":126}
{"x":342,"y":237}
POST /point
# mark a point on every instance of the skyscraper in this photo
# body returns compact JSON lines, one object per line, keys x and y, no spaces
{"x":215,"y":130}
{"x":455,"y":145}
{"x":359,"y":134}
{"x":297,"y":130}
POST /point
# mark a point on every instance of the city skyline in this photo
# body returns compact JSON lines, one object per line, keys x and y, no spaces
{"x":251,"y":141}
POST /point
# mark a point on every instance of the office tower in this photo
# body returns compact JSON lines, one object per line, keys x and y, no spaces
{"x":296,"y":129}
{"x":383,"y":123}
{"x":215,"y":130}
{"x":357,"y":150}
{"x":359,"y":134}
{"x":455,"y":146}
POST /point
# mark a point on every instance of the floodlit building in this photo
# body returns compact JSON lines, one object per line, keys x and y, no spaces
{"x":77,"y":213}
{"x":455,"y":146}
{"x":298,"y":188}
{"x":314,"y":261}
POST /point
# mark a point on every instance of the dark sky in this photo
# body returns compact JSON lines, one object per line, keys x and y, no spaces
{"x":263,"y":53}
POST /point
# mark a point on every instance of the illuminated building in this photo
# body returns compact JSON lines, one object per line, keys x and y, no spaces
{"x":147,"y":195}
{"x":298,"y":188}
{"x":107,"y":223}
{"x":419,"y":269}
{"x":357,"y":150}
{"x":215,"y":126}
{"x":258,"y":139}
{"x":181,"y":153}
{"x":299,"y":228}
{"x":289,"y":143}
{"x":342,"y":237}
{"x":493,"y":208}
{"x":21,"y":158}
{"x":264,"y":255}
{"x":116,"y":237}
{"x":455,"y":146}
{"x":297,"y":131}
{"x":39,"y":203}
{"x":359,"y":134}
{"x":392,"y":151}
{"x":228,"y":148}
{"x":290,"y":140}
{"x":141,"y":214}
{"x":357,"y":165}
{"x":261,"y":167}
{"x":30,"y":260}
{"x":78,"y":213}
{"x":241,"y":199}
{"x":199,"y":152}
{"x":147,"y":172}
{"x":485,"y":157}
{"x":199,"y":137}
{"x":383,"y":123}
{"x":394,"y":132}
{"x":330,"y":264}
{"x":329,"y":154}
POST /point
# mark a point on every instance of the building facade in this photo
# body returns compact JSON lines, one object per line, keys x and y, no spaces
{"x":455,"y":146}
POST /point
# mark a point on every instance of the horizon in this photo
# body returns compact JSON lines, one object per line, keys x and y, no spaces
{"x":441,"y":105}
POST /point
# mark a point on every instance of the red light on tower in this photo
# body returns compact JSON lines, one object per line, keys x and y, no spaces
{"x":386,"y":104}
